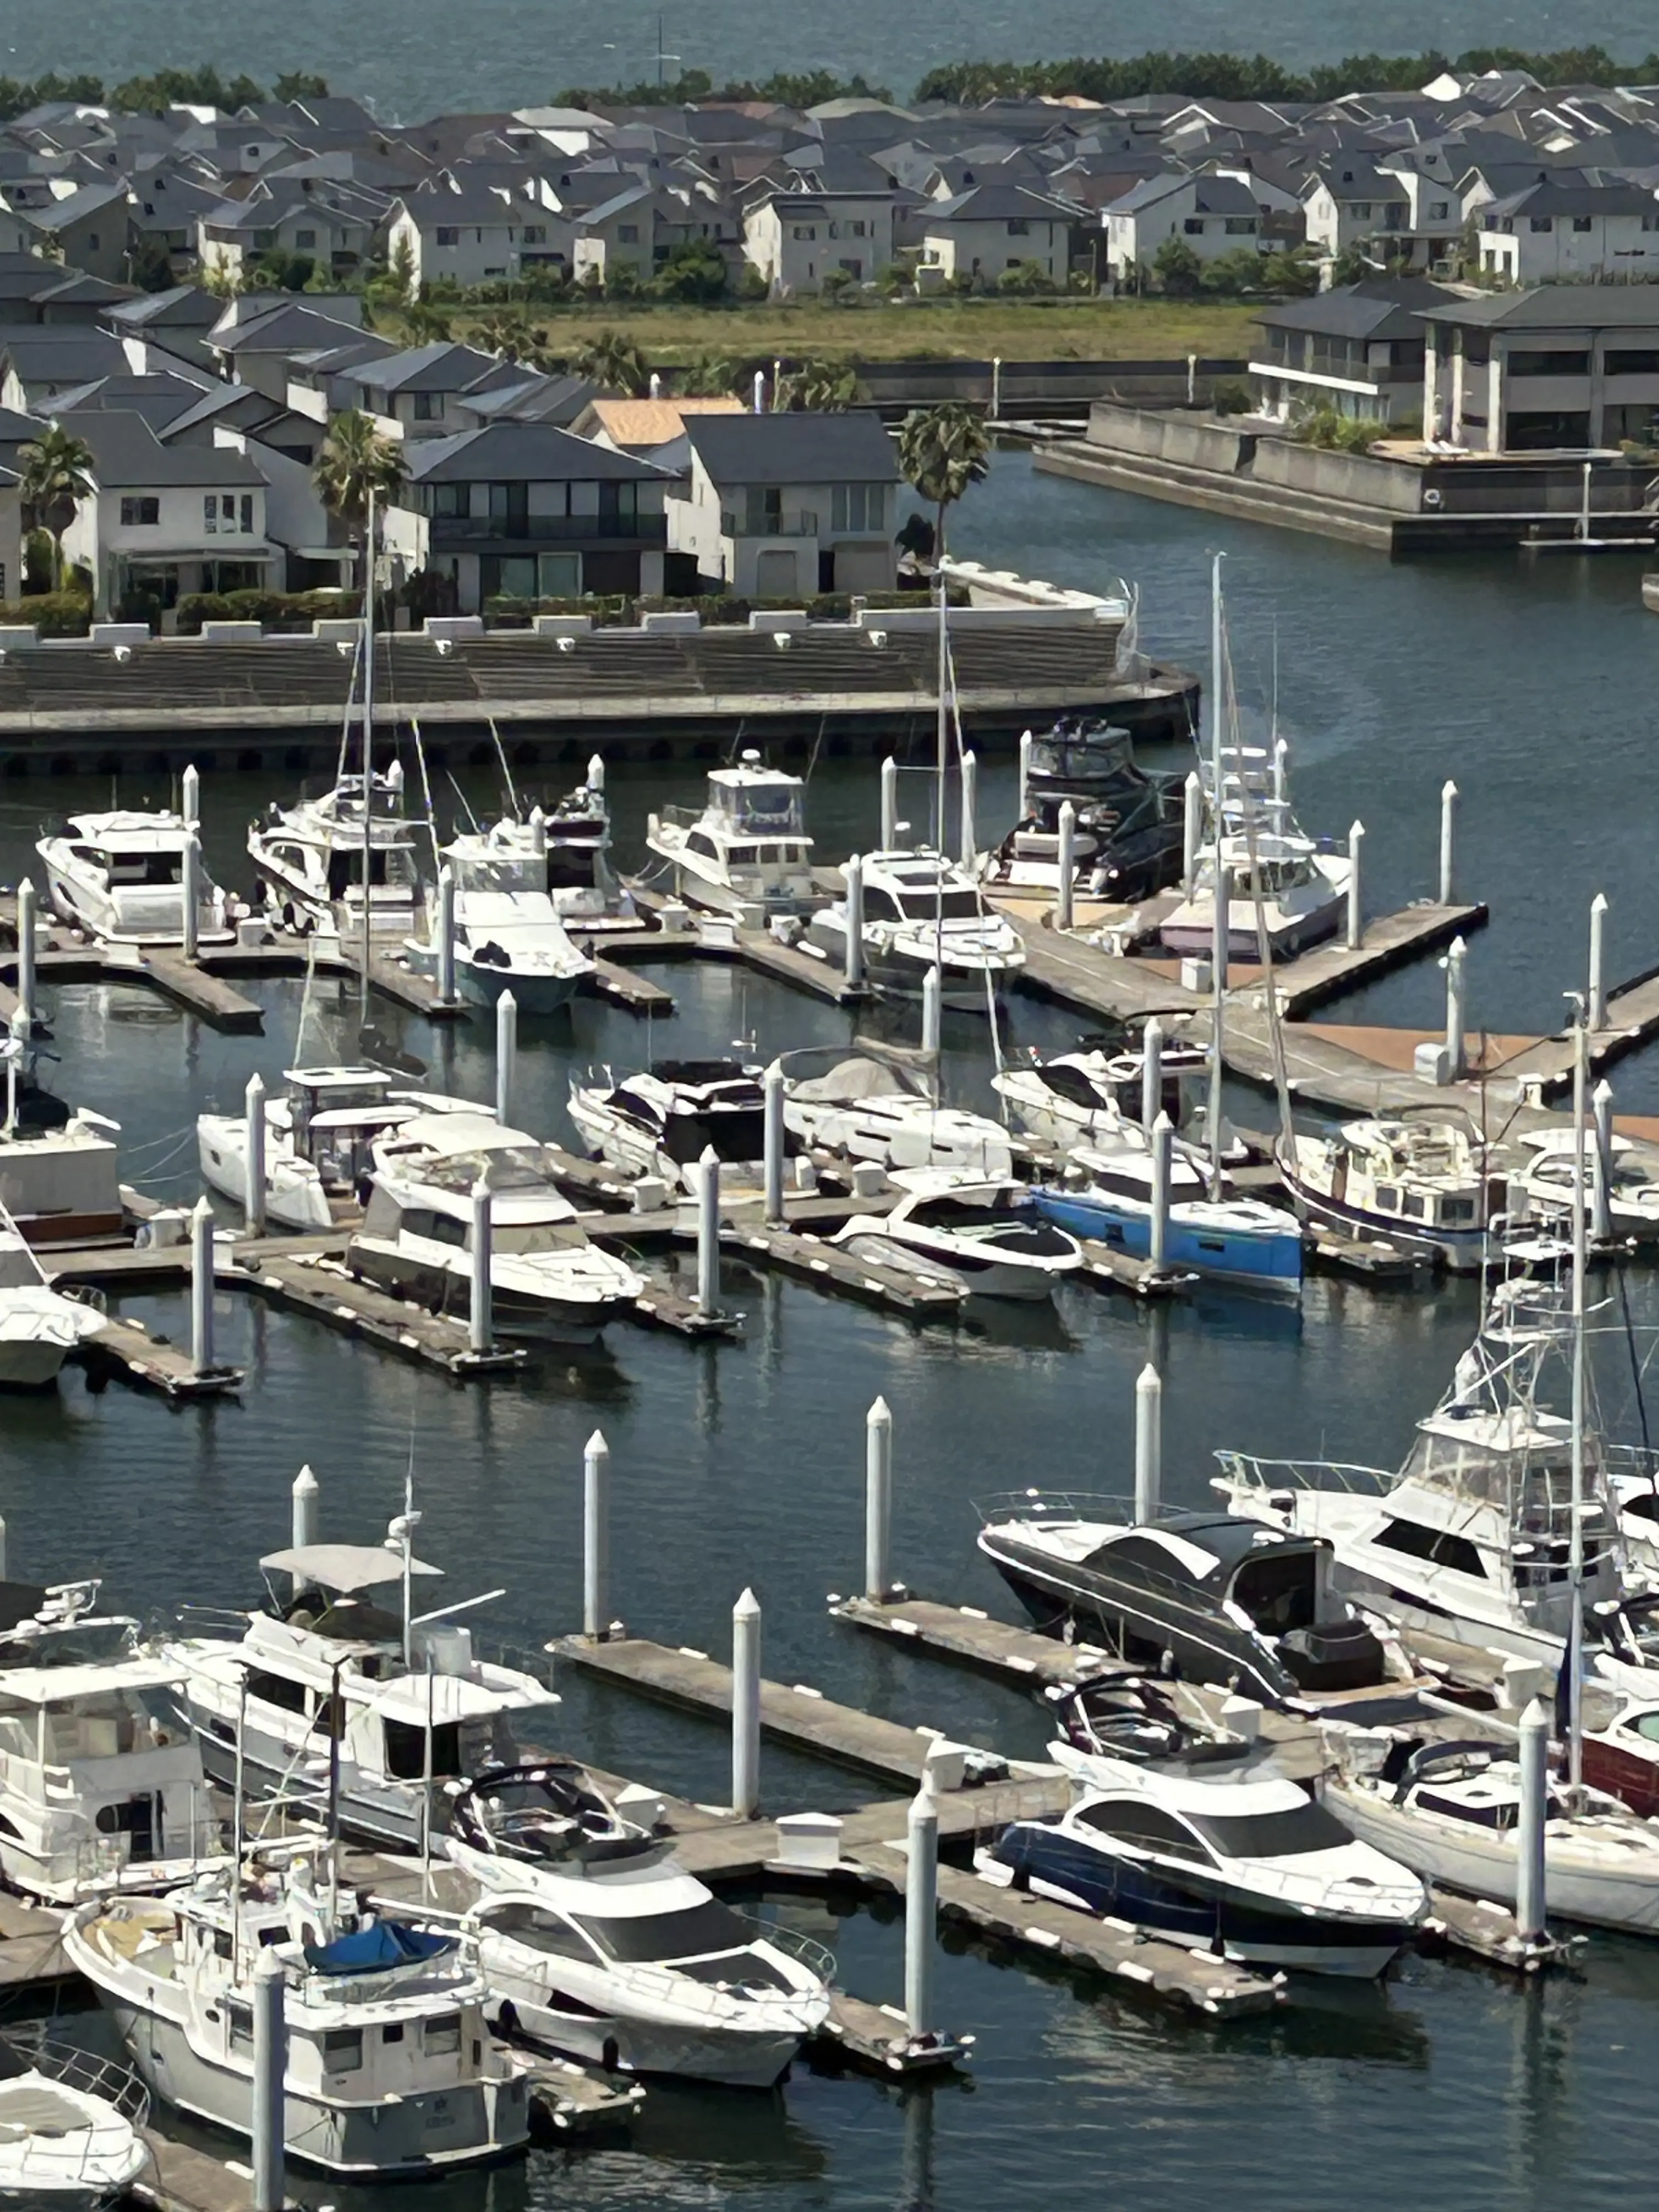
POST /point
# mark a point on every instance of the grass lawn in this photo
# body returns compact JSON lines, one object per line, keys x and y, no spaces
{"x":974,"y":329}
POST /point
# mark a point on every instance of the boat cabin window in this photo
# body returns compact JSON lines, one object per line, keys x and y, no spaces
{"x":278,"y":1690}
{"x":742,"y":856}
{"x":571,"y":867}
{"x":1070,"y":1083}
{"x":736,"y":1133}
{"x":406,"y":1751}
{"x":542,"y":1930}
{"x":1644,"y":1505}
{"x":1289,"y":1834}
{"x":532,"y":1236}
{"x":1115,"y":1184}
{"x":1646,"y":1725}
{"x":502,"y":875}
{"x":1148,"y":1828}
{"x":947,"y":1211}
{"x":387,"y":864}
{"x":238,"y":2019}
{"x":700,"y":843}
{"x":1276,"y":1589}
{"x":1496,"y":1815}
{"x":98,"y":1727}
{"x":442,"y":2035}
{"x":1438,"y":1545}
{"x":436,"y":1228}
{"x":879,"y":904}
{"x":343,"y":2050}
{"x":691,"y":1933}
{"x":1387,"y":1199}
{"x":958,"y":902}
{"x":1414,"y":1206}
{"x":1137,"y":1552}
{"x":1456,"y":1212}
{"x":128,"y":869}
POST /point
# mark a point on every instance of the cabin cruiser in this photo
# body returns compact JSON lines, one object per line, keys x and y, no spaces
{"x":39,"y":1325}
{"x":309,"y":859}
{"x":747,"y":853}
{"x":390,"y":2071}
{"x":331,"y":1691}
{"x":1093,"y":1093}
{"x":100,"y":1786}
{"x":594,"y":1941}
{"x":982,"y":1230}
{"x":1544,"y":1184}
{"x":58,"y":1177}
{"x":1301,"y":890}
{"x":1108,"y":1718}
{"x":1200,"y":1592}
{"x":660,"y":1121}
{"x":121,"y":877}
{"x":1108,"y":1195}
{"x":581,"y":880}
{"x":1253,"y":1869}
{"x":546,"y":1278}
{"x":1127,"y":839}
{"x":1451,"y":1812}
{"x":1420,"y":1181}
{"x":923,"y":911}
{"x":509,"y":936}
{"x":70,"y":2125}
{"x":867,"y":1102}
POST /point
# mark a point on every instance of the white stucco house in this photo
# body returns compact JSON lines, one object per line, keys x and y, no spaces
{"x":1213,"y":214}
{"x":1570,"y":232}
{"x":990,"y":228}
{"x":795,"y":239}
{"x":783,"y":506}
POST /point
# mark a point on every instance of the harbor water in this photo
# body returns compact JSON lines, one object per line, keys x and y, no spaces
{"x":743,"y":1464}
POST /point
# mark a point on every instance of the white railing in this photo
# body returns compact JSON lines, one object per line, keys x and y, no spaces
{"x":51,"y":2160}
{"x":1267,"y":1474}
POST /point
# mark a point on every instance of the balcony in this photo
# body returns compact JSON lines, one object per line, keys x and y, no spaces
{"x":548,"y":529}
{"x":804,"y":524}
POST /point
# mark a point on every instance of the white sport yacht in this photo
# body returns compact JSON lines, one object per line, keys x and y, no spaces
{"x":391,"y":2073}
{"x":1302,"y":890}
{"x":509,"y":935}
{"x":120,"y":877}
{"x":594,"y":1941}
{"x":870,"y":1102}
{"x":1424,"y":1182}
{"x":101,"y":1785}
{"x":986,"y":1233}
{"x":69,"y":2126}
{"x":547,"y":1279}
{"x":1092,"y":1094}
{"x":747,"y":852}
{"x":39,"y":1325}
{"x":1544,"y":1184}
{"x":576,"y":833}
{"x":309,"y":859}
{"x":923,"y":911}
{"x":660,"y":1121}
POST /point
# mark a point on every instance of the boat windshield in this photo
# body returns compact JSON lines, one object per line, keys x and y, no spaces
{"x":1291,"y":1834}
{"x":759,"y":808}
{"x":387,"y":865}
{"x":693,"y":1932}
{"x":955,"y":904}
{"x":107,"y":1724}
{"x":525,"y":873}
{"x":529,"y":1237}
{"x":737,"y":1134}
{"x":124,"y":870}
{"x":510,"y":1168}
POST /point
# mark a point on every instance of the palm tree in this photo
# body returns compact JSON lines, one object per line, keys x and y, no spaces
{"x":353,"y":461}
{"x":817,"y":388}
{"x":941,"y":450}
{"x":507,"y":333}
{"x":614,"y":363}
{"x":426,"y":325}
{"x":55,"y":477}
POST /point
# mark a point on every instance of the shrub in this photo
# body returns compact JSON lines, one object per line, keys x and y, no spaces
{"x":1231,"y":396}
{"x":54,"y":614}
{"x":39,"y":557}
{"x":276,"y":610}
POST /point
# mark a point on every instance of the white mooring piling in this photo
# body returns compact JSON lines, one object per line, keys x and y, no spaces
{"x":1065,"y":865}
{"x":596,"y":773}
{"x":932,"y":1002}
{"x":27,"y":949}
{"x":1356,"y":911}
{"x":1448,"y":833}
{"x":596,"y":1535}
{"x":709,"y":1231}
{"x":3,"y":1547}
{"x":507,"y":1056}
{"x":1281,"y":777}
{"x":745,"y":1705}
{"x":1601,"y":1187}
{"x":1597,"y":1005}
{"x":1162,"y":1153}
{"x":254,"y":1161}
{"x":970,"y":811}
{"x":446,"y":935}
{"x":538,"y":832}
{"x":190,"y":798}
{"x":1456,"y":1003}
{"x":305,"y":1499}
{"x":852,"y":968}
{"x":879,"y":1502}
{"x":889,"y":775}
{"x":1151,"y":1072}
{"x":1149,"y":1442}
{"x":191,"y":898}
{"x":921,"y":1910}
{"x":1026,"y":742}
{"x":270,"y":2067}
{"x":1530,"y":1901}
{"x":773,"y":1143}
{"x":1192,"y":830}
{"x":201,"y":1287}
{"x":480,"y":1315}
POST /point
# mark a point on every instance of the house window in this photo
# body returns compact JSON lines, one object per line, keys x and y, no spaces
{"x":535,"y":233}
{"x":1438,"y":210}
{"x":450,"y":499}
{"x":448,"y":236}
{"x":805,"y":230}
{"x":1580,"y":222}
{"x":853,"y":268}
{"x":135,"y":511}
{"x":1362,"y":210}
{"x":1542,"y":222}
{"x":1193,"y":226}
{"x":304,"y":240}
{"x":1018,"y":227}
{"x":559,"y":576}
{"x":854,"y":508}
{"x":858,"y":229}
{"x":428,"y":406}
{"x":628,"y":233}
{"x":248,"y":510}
{"x":509,"y":503}
{"x":1239,"y":226}
{"x":92,"y":240}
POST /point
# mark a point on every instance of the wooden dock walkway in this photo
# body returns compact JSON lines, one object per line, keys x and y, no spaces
{"x":827,"y":1267}
{"x":125,"y":1347}
{"x":320,"y":1287}
{"x":635,"y":994}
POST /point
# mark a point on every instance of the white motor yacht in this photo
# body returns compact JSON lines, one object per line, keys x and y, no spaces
{"x":870,"y":1102}
{"x":547,"y":1278}
{"x":1301,"y":890}
{"x":330,"y":1689}
{"x":923,"y":911}
{"x":309,"y":858}
{"x":1092,"y":1094}
{"x":1545,"y":1182}
{"x":1424,"y":1182}
{"x":120,"y":877}
{"x":985,"y":1232}
{"x":389,"y":2074}
{"x":747,"y":852}
{"x":508,"y":933}
{"x":101,"y":1785}
{"x":38,"y":1326}
{"x":660,"y":1121}
{"x":70,"y":2127}
{"x":594,"y":1941}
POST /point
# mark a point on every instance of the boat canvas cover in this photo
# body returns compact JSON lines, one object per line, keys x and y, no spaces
{"x":344,"y":1566}
{"x":377,"y":1950}
{"x":858,"y":1078}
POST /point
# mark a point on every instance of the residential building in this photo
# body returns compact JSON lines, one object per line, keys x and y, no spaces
{"x":797,"y":238}
{"x":1357,"y":349}
{"x":1213,"y":214}
{"x":86,"y":227}
{"x":335,"y":229}
{"x":422,"y":393}
{"x":981,"y":233}
{"x":1352,"y":205}
{"x":166,"y":519}
{"x":475,"y":235}
{"x":1569,"y":366}
{"x":38,"y":363}
{"x":783,"y":506}
{"x":1571,"y":231}
{"x":650,"y":429}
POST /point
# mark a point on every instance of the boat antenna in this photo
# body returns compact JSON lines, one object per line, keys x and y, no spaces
{"x":507,"y":773}
{"x":1576,"y":1533}
{"x":368,"y":746}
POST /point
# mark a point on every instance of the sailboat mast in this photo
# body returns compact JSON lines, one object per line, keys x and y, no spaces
{"x":942,"y":768}
{"x":369,"y":744}
{"x":1220,"y":889}
{"x":1575,"y":1535}
{"x":1217,"y":690}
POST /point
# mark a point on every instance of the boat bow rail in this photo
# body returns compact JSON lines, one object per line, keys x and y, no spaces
{"x":1043,"y":1509}
{"x":86,"y":2070}
{"x":1242,"y":1471}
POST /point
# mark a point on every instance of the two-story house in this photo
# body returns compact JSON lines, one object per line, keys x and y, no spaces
{"x":1573,"y":231}
{"x":1357,"y":349}
{"x":797,"y":238}
{"x":1350,"y":204}
{"x":475,"y":235}
{"x":334,"y":228}
{"x":421,"y":393}
{"x":1213,"y":214}
{"x":988,"y":230}
{"x":525,"y":511}
{"x":1567,"y":368}
{"x":86,"y":227}
{"x":783,"y":507}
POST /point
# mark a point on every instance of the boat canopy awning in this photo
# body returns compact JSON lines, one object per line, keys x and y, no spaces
{"x":344,"y":1567}
{"x":50,"y":1686}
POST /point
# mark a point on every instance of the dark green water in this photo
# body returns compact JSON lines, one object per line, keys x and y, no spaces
{"x":1445,"y":2086}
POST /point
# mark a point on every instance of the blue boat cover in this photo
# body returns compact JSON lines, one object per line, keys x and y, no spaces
{"x":376,"y":1949}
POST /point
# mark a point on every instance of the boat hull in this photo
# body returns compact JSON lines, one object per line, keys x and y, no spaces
{"x":733,"y":2059}
{"x":447,"y":1290}
{"x":1460,"y":1251}
{"x":30,"y":1363}
{"x":1260,"y":1260}
{"x":294,"y":1197}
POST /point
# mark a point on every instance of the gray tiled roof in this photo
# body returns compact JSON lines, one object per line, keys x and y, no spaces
{"x":792,"y":449}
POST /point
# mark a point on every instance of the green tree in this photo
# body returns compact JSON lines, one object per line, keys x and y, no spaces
{"x":508,"y":334}
{"x":1178,"y":268}
{"x":400,"y":271}
{"x":942,"y":451}
{"x":149,"y":266}
{"x":55,"y":477}
{"x":695,"y":271}
{"x":276,"y":270}
{"x":717,"y":376}
{"x":1029,"y":278}
{"x":427,"y":325}
{"x":817,"y":388}
{"x":355,"y":461}
{"x":300,"y":84}
{"x":614,"y":363}
{"x":623,"y":280}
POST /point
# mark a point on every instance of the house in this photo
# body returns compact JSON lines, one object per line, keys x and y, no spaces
{"x":977,"y":235}
{"x":420,"y":394}
{"x":467,"y":235}
{"x":1572,"y":367}
{"x":783,"y":507}
{"x":797,"y":238}
{"x":37,"y":363}
{"x":620,"y":228}
{"x":525,"y":510}
{"x":1352,"y":206}
{"x":166,"y":519}
{"x":1357,"y":349}
{"x":335,"y":232}
{"x":1213,"y":214}
{"x":651,"y":429}
{"x":1555,"y":232}
{"x":86,"y":227}
{"x":257,"y":345}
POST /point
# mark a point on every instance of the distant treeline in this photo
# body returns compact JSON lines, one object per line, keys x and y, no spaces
{"x":1257,"y":76}
{"x":789,"y":88}
{"x":141,"y":95}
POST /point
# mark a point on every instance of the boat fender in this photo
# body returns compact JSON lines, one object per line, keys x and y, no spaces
{"x":1432,"y":498}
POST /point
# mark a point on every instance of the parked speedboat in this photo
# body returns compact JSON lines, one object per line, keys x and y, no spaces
{"x":984,"y":1231}
{"x":508,"y":933}
{"x":1116,"y":1717}
{"x":594,"y":1941}
{"x":923,"y":911}
{"x":547,"y":1279}
{"x":1545,"y":1182}
{"x":120,"y":877}
{"x":39,"y":1325}
{"x":319,"y":1140}
{"x":69,"y":2126}
{"x":1301,"y":889}
{"x":1241,"y":1241}
{"x":391,"y":2073}
{"x":1254,"y":1870}
{"x":868,"y":1103}
{"x":747,"y":852}
{"x":1205,"y":1589}
{"x":1091,"y":1095}
{"x":1128,"y":840}
{"x":1422,"y":1180}
{"x":660,"y":1121}
{"x":309,"y":859}
{"x":101,"y":1787}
